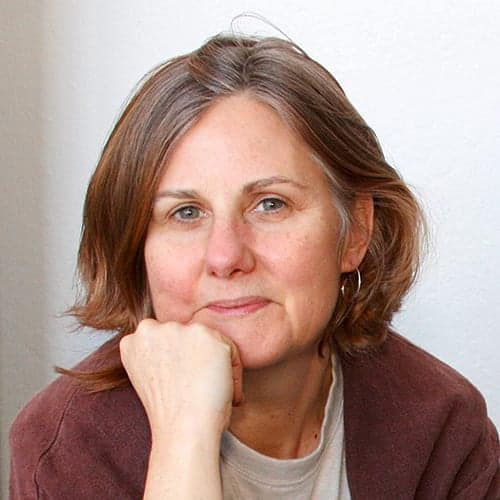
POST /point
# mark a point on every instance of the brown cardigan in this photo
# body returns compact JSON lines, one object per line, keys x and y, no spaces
{"x":414,"y":428}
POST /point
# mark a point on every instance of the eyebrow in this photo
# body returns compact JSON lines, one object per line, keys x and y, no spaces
{"x":268,"y":181}
{"x":248,"y":188}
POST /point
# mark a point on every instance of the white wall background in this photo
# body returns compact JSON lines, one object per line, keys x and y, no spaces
{"x":425,"y":75}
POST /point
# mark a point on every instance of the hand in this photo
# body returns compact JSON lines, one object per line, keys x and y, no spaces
{"x":185,"y":375}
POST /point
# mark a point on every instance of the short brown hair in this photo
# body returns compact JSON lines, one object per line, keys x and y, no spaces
{"x":170,"y":100}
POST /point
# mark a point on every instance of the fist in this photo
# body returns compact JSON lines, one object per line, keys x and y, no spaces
{"x":185,"y":375}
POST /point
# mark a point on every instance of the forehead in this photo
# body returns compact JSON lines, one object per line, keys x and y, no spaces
{"x":239,"y":139}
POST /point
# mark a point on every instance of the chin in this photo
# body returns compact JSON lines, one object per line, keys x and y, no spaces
{"x":252,"y":360}
{"x":259,"y":346}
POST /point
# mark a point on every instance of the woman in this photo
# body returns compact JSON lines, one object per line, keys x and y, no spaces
{"x":249,"y":244}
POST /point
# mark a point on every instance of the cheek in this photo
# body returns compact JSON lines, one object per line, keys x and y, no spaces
{"x":305,"y":260}
{"x":309,"y":275}
{"x":172,"y":276}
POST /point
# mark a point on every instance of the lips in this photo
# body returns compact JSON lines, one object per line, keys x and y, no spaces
{"x":239,"y":306}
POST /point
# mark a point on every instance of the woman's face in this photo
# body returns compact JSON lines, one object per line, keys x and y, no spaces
{"x":244,"y":235}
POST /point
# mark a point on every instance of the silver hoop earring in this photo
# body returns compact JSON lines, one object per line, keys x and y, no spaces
{"x":360,"y":281}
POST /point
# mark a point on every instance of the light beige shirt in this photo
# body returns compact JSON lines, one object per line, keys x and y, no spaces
{"x":247,"y":474}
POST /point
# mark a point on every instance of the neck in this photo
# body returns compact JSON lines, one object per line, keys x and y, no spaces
{"x":283,"y":409}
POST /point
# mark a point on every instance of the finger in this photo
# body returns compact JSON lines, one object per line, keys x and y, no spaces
{"x":237,"y":368}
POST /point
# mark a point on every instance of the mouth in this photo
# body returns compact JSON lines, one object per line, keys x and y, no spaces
{"x":237,"y":307}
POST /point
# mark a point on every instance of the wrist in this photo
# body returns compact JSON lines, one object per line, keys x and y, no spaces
{"x":182,"y":462}
{"x":187,"y":436}
{"x":187,"y":427}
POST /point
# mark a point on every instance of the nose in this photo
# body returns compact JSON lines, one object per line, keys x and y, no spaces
{"x":228,"y":251}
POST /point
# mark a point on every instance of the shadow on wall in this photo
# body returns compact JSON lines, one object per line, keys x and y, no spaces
{"x":23,"y":356}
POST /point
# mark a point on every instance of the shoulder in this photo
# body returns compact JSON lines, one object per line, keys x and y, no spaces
{"x":68,"y":438}
{"x":409,"y":375}
{"x":428,"y":422}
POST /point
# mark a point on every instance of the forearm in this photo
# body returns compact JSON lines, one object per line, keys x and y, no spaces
{"x":184,"y":467}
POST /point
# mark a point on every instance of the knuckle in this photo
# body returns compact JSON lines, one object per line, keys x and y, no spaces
{"x":198,"y":330}
{"x":124,"y":342}
{"x":196,"y":327}
{"x":145,"y":325}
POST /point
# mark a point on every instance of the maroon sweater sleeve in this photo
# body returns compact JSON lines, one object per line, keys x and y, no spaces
{"x":67,"y":444}
{"x":479,"y":475}
{"x":31,"y":437}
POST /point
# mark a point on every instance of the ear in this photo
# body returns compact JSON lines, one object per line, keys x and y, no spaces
{"x":359,"y":235}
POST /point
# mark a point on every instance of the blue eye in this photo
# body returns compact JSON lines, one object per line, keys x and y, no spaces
{"x":270,"y":205}
{"x":187,"y":213}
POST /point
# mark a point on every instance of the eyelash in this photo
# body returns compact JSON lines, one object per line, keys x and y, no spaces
{"x":274,"y":200}
{"x":186,"y":207}
{"x":279,"y":201}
